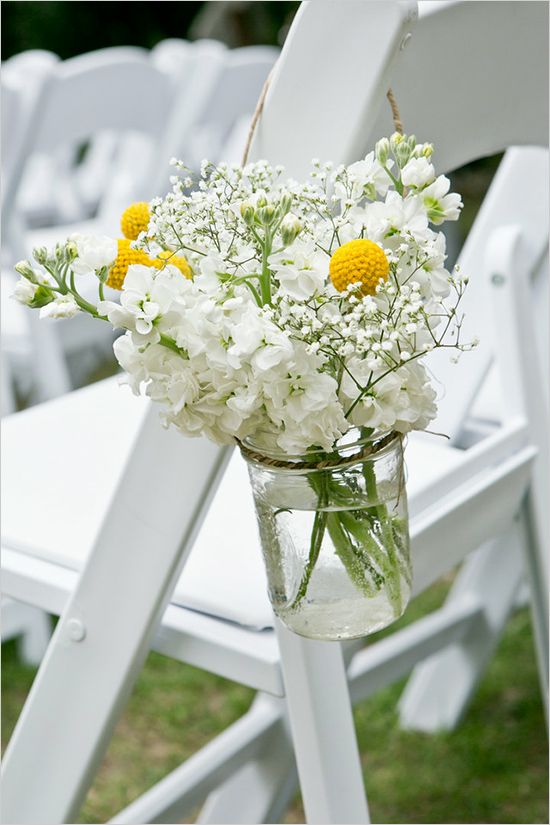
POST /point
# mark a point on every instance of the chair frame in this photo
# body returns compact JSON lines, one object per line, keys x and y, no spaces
{"x":98,"y":647}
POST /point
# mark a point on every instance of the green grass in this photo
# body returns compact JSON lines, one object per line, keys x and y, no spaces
{"x":492,"y":769}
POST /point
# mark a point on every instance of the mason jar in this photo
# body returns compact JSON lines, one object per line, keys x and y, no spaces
{"x":334,"y":533}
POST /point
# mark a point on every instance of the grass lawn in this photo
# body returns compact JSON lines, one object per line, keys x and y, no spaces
{"x":492,"y":769}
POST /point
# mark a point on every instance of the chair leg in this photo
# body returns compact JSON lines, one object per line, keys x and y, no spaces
{"x":536,"y":566}
{"x":30,"y":625}
{"x":439,"y":690}
{"x":323,"y":731}
{"x":260,"y":791}
{"x":36,"y":638}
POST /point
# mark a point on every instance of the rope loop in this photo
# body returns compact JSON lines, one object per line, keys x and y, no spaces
{"x":397,"y":122}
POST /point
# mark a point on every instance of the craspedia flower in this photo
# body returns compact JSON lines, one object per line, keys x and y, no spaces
{"x":167,"y":257}
{"x":361,"y":261}
{"x":134,"y":220}
{"x":125,"y":257}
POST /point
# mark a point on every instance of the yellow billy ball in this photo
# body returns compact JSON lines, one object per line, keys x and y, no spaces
{"x":361,"y":261}
{"x":125,"y":257}
{"x":134,"y":220}
{"x":167,"y":257}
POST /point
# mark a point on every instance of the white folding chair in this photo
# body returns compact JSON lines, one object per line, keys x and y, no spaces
{"x":112,"y":569}
{"x":25,"y":363}
{"x":104,"y":91}
{"x":36,"y":200}
{"x":235,"y":96}
{"x":224,"y":85}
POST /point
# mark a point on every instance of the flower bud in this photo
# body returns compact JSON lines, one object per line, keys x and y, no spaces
{"x":261,"y":200}
{"x":428,"y":150}
{"x":266,"y":214}
{"x":25,"y":269}
{"x":247,"y":213}
{"x":402,"y":153}
{"x":290,"y":228}
{"x":285,"y":203}
{"x":40,"y":254}
{"x":382,"y":150}
{"x":71,"y":250}
{"x":395,"y":140}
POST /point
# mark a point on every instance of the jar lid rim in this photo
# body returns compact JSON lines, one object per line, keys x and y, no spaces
{"x":254,"y":451}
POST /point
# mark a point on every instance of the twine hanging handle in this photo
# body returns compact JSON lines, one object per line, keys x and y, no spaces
{"x":395,"y":112}
{"x":256,"y":116}
{"x":260,"y":105}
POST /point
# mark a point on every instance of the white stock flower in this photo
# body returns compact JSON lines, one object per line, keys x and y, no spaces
{"x":147,"y":294}
{"x":301,"y":270}
{"x":439,"y":205}
{"x":94,"y":253}
{"x":395,"y":216}
{"x":24,"y":291}
{"x":64,"y":306}
{"x":418,"y":172}
{"x":367,"y":178}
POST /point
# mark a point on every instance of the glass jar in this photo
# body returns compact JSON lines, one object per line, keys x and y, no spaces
{"x":334,"y":533}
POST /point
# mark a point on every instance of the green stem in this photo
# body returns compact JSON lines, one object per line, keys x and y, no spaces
{"x":265,"y":279}
{"x":168,"y":342}
{"x":396,"y":181}
{"x":347,"y":554}
{"x":394,"y":581}
{"x":317,"y":534}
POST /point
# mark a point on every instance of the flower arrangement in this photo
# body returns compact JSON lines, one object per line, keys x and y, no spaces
{"x":289,"y":313}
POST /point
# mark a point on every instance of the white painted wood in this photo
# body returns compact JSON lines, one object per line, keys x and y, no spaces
{"x":393,"y":657}
{"x":188,"y":784}
{"x":315,"y":683}
{"x":225,"y":648}
{"x":7,"y":390}
{"x":29,"y":625}
{"x":260,"y":791}
{"x":519,"y":196}
{"x":472,"y":109}
{"x":438,"y":693}
{"x":110,"y":417}
{"x":233,"y":97}
{"x":464,"y":521}
{"x":330,"y":109}
{"x":522,"y":383}
{"x":508,"y":265}
{"x":98,"y":648}
{"x":323,"y":732}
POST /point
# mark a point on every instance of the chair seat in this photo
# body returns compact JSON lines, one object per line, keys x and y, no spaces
{"x":55,"y":493}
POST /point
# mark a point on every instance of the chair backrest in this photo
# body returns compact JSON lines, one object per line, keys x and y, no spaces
{"x":214,"y":104}
{"x":112,"y":90}
{"x":28,"y":64}
{"x":20,"y":100}
{"x":100,"y":90}
{"x":494,"y":95}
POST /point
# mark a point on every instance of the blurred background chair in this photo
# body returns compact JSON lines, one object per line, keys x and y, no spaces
{"x":82,"y":174}
{"x":459,"y":497}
